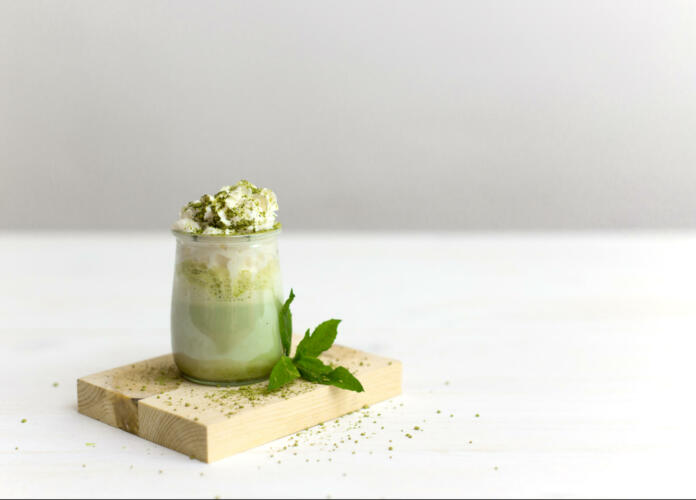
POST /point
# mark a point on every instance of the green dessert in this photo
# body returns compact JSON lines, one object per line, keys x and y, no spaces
{"x":227,"y":292}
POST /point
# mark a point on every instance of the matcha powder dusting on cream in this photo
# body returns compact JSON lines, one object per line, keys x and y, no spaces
{"x":240,"y":209}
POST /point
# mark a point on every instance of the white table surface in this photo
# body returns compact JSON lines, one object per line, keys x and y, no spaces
{"x":577,"y":351}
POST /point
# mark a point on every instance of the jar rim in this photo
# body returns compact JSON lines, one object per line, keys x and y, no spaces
{"x":227,"y":238}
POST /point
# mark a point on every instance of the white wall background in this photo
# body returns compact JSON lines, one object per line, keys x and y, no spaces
{"x":375,"y":114}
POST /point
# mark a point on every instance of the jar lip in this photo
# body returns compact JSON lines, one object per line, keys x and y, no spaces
{"x":227,"y":238}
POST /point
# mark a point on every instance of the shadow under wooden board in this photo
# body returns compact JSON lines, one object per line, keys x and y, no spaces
{"x":151,"y":400}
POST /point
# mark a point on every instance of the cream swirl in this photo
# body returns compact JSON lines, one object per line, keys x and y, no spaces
{"x":240,"y":209}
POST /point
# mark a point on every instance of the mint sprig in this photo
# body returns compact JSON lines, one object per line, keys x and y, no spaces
{"x":306,"y":363}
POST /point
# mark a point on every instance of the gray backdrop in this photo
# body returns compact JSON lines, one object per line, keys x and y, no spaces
{"x":375,"y":114}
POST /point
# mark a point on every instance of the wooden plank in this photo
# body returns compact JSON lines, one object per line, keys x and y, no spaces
{"x":151,"y":400}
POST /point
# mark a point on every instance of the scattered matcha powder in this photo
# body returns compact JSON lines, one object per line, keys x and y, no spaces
{"x":23,"y":421}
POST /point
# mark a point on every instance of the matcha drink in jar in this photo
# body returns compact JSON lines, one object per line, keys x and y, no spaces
{"x":227,"y":291}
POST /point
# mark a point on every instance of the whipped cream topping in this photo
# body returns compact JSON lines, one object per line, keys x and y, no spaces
{"x":240,"y":209}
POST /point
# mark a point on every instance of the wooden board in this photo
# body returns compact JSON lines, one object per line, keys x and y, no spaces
{"x":151,"y":400}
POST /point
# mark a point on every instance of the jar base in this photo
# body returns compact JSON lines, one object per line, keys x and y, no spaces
{"x":217,"y":383}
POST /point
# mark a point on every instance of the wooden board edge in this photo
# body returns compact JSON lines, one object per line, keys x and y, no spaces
{"x":173,"y":431}
{"x":107,"y":406}
{"x":327,"y":403}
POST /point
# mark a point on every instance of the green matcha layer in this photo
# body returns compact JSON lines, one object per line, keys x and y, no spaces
{"x":226,"y":341}
{"x":225,"y":326}
{"x":217,"y":282}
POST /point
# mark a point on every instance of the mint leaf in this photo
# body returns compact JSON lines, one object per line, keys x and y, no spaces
{"x":313,"y":369}
{"x":321,"y":339}
{"x":341,"y":377}
{"x":283,"y":372}
{"x":285,"y":323}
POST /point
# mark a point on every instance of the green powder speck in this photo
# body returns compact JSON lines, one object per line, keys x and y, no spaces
{"x":55,"y":384}
{"x":477,"y":415}
{"x":23,"y":421}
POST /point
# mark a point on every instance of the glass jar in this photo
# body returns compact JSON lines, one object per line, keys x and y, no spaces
{"x":225,"y":307}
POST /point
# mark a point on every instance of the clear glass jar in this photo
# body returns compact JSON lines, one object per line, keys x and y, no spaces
{"x":225,"y":307}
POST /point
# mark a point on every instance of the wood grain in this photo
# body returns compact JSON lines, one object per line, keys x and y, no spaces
{"x":151,"y":400}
